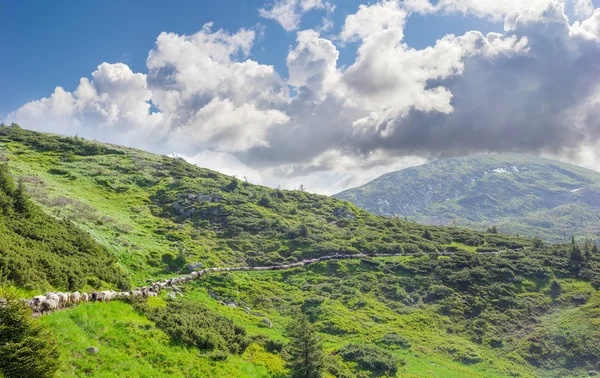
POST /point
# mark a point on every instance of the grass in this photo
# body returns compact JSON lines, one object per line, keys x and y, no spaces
{"x":466,"y":315}
{"x":130,"y":345}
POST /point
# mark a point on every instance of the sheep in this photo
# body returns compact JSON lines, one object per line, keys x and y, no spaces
{"x":48,"y":305}
{"x":53,"y":296}
{"x":37,"y":300}
{"x":98,"y":297}
{"x":108,"y":295}
{"x":74,"y":298}
{"x":85,"y":297}
{"x":63,"y":299}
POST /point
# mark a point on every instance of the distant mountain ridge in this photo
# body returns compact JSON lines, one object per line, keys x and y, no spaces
{"x":517,"y":193}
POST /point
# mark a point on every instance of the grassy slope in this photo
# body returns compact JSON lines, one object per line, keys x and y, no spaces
{"x":532,"y":196}
{"x":130,"y":345}
{"x":125,"y":198}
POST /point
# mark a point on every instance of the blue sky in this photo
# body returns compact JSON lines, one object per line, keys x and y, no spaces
{"x":268,"y":93}
{"x":54,"y":43}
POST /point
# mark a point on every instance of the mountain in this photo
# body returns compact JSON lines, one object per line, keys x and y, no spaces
{"x":519,"y":194}
{"x":492,"y":306}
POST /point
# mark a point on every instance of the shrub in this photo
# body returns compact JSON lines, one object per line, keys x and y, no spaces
{"x":394,"y":339}
{"x":195,"y":325}
{"x":369,"y":357}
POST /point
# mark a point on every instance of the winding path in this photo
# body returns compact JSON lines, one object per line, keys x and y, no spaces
{"x":154,"y":288}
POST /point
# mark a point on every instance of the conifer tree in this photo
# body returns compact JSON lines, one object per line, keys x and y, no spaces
{"x":26,"y":348}
{"x":304,"y":354}
{"x":7,"y":185}
{"x":21,"y":199}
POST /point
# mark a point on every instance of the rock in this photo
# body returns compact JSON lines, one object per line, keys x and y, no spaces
{"x":213,"y":295}
{"x":194,"y":267}
{"x":268,"y":322}
{"x":92,"y":350}
{"x":343,"y":212}
{"x":232,"y":304}
{"x":579,"y":299}
{"x":172,"y":295}
{"x":592,"y":373}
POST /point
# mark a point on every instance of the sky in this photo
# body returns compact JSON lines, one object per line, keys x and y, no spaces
{"x":321,"y":93}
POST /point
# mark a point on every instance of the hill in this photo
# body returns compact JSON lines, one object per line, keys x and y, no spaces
{"x":518,"y":194}
{"x":528,"y":310}
{"x":39,"y":252}
{"x":159,"y":214}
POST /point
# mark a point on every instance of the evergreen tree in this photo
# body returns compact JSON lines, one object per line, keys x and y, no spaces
{"x":26,"y":349}
{"x":304,"y":354}
{"x":21,"y":199}
{"x":7,"y":185}
{"x":427,"y":234}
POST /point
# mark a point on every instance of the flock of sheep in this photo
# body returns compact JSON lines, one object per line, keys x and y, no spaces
{"x":43,"y":304}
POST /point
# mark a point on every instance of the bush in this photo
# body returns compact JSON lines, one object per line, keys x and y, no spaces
{"x":394,"y":339}
{"x":372,"y":358}
{"x":197,"y":326}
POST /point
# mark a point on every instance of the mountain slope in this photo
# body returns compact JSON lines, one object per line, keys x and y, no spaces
{"x":465,"y":315}
{"x":521,"y":194}
{"x":39,"y":252}
{"x":159,"y":213}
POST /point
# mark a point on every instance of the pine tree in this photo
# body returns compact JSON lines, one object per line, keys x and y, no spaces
{"x":304,"y":354}
{"x":21,"y":199}
{"x":26,"y":348}
{"x":427,"y":234}
{"x":7,"y":185}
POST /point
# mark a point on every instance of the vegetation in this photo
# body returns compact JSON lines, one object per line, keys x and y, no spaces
{"x":463,"y":304}
{"x":197,"y":326}
{"x":160,"y":214}
{"x":305,"y":356}
{"x":26,"y":347}
{"x":509,"y":193}
{"x":40,"y":252}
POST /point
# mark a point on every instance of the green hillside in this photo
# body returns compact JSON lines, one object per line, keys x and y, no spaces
{"x":527,"y":310}
{"x":40,"y":252}
{"x":518,"y":194}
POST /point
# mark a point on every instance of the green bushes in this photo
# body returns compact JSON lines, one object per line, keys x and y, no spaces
{"x":26,"y":348}
{"x":194,"y":325}
{"x":372,"y":358}
{"x":394,"y":340}
{"x":38,"y":251}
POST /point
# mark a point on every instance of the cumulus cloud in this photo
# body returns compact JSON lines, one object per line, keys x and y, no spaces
{"x":492,"y":9}
{"x":289,"y":12}
{"x":533,"y":88}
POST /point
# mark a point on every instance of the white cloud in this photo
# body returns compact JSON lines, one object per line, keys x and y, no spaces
{"x":289,"y":12}
{"x":533,"y":88}
{"x":226,"y":127}
{"x":495,"y":10}
{"x":313,"y":62}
